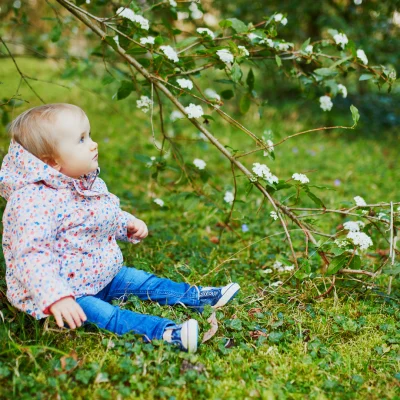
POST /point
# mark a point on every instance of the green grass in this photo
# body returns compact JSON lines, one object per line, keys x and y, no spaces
{"x":282,"y":343}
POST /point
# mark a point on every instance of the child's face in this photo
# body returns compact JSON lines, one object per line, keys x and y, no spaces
{"x":78,"y":152}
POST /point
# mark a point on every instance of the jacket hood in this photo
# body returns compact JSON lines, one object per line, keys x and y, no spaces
{"x":20,"y":168}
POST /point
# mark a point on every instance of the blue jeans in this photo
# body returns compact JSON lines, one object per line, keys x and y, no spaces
{"x":146,"y":286}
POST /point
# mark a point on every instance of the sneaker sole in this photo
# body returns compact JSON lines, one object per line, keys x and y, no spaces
{"x":189,"y":335}
{"x":231,"y":292}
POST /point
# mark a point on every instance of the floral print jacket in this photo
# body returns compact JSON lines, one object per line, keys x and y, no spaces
{"x":59,"y":233}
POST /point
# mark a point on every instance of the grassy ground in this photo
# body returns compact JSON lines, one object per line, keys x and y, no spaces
{"x":271,"y":343}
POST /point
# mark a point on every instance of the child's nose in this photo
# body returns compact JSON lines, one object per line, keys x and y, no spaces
{"x":94,"y":145}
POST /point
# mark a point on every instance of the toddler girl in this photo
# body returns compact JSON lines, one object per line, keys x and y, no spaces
{"x":61,"y":225}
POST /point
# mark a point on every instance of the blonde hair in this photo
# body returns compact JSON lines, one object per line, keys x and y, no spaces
{"x":34,"y":129}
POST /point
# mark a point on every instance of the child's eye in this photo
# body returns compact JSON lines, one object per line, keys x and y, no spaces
{"x":82,"y":139}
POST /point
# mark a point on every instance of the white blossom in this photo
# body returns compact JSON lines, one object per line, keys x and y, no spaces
{"x":278,"y":17}
{"x":360,"y":239}
{"x":342,"y":89}
{"x":148,"y":39}
{"x":341,"y":39}
{"x":360,"y":201}
{"x":267,"y":41}
{"x":263,"y":171}
{"x":228,"y":198}
{"x":267,"y":271}
{"x":212,"y":94}
{"x":182,"y":15}
{"x":357,"y":2}
{"x":382,"y":215}
{"x":289,"y":268}
{"x":309,"y":49}
{"x":144,"y":103}
{"x":185,"y":83}
{"x":301,"y":178}
{"x":284,"y":46}
{"x":194,"y":111}
{"x":284,"y":21}
{"x":243,"y":51}
{"x":353,"y":226}
{"x":205,"y":31}
{"x":196,"y":13}
{"x":173,"y":3}
{"x":116,"y":39}
{"x":341,"y":243}
{"x":273,"y":215}
{"x":225,"y":55}
{"x":176,"y":115}
{"x":325,"y":103}
{"x":159,"y":202}
{"x":170,"y":53}
{"x":277,"y":283}
{"x":129,"y":14}
{"x":362,"y":56}
{"x":200,"y":164}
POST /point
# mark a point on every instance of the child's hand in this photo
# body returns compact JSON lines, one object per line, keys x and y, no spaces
{"x":137,"y":228}
{"x":69,"y":310}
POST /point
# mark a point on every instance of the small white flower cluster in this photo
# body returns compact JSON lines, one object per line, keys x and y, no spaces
{"x":196,"y":13}
{"x":263,"y":171}
{"x":212,"y":94}
{"x":269,"y":42}
{"x":144,"y":103}
{"x":129,"y":14}
{"x":200,"y":164}
{"x":284,"y":46}
{"x":342,"y":243}
{"x":243,"y":51}
{"x":159,"y":202}
{"x":273,"y":215}
{"x":325,"y":103}
{"x":182,"y":15}
{"x":308,"y":49}
{"x":176,"y":115}
{"x":229,"y":197}
{"x":280,"y":267}
{"x":172,"y":3}
{"x":225,"y":56}
{"x":170,"y":53}
{"x":275,"y":284}
{"x":341,"y":39}
{"x":147,"y":40}
{"x":185,"y":83}
{"x":205,"y":32}
{"x":150,"y":163}
{"x":279,"y":18}
{"x":342,"y":89}
{"x":382,"y":215}
{"x":194,"y":111}
{"x":362,"y":56}
{"x":360,"y":201}
{"x":353,"y":226}
{"x":300,"y":178}
{"x":360,"y":239}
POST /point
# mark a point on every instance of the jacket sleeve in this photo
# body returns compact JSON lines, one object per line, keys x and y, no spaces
{"x":122,"y":230}
{"x":33,"y":217}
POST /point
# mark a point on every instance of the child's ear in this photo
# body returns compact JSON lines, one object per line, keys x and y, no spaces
{"x":52,"y":162}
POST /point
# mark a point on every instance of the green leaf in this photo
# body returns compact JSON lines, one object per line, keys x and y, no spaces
{"x":225,"y":23}
{"x":355,"y":115}
{"x":278,"y":60}
{"x":365,"y":77}
{"x":355,"y":263}
{"x":313,"y":197}
{"x":227,"y":94}
{"x":55,"y":33}
{"x":275,"y":337}
{"x":136,"y":50}
{"x":236,"y":73}
{"x":238,"y":25}
{"x":125,"y":90}
{"x":107,"y":80}
{"x":337,"y":263}
{"x":110,"y":40}
{"x":207,"y":116}
{"x":250,"y":80}
{"x":305,"y":44}
{"x":235,"y":324}
{"x":325,"y":72}
{"x":245,"y":103}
